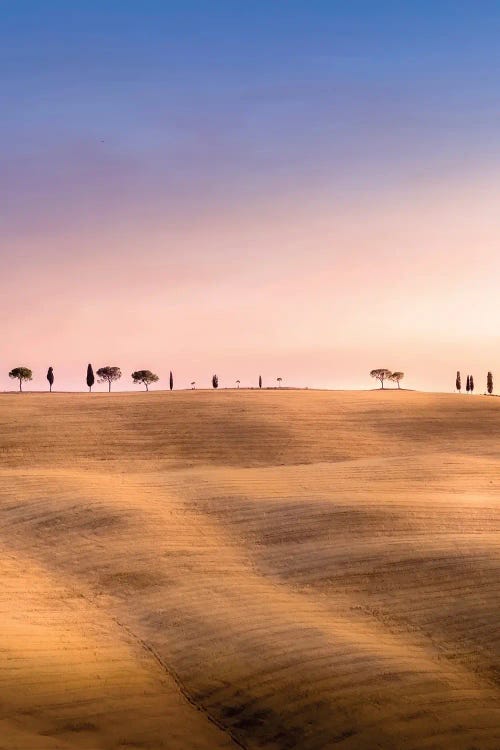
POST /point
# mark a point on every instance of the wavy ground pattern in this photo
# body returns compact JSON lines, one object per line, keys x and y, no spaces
{"x":250,"y":569}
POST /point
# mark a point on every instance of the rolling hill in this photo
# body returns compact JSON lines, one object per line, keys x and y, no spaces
{"x":253,"y":569}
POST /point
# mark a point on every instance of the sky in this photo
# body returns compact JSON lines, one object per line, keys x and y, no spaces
{"x":306,"y":189}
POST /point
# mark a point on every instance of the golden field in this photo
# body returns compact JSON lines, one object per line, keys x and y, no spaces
{"x":252,"y":569}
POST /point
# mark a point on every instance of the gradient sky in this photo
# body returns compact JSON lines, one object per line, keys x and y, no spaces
{"x":306,"y":189}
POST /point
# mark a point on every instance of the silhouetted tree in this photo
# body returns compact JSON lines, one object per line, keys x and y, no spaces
{"x":279,"y":382}
{"x":50,"y":377}
{"x":108,"y":375}
{"x":145,"y":376}
{"x":193,"y":385}
{"x":23,"y":374}
{"x":471,"y":384}
{"x":215,"y":381}
{"x":458,"y":382}
{"x":171,"y":381}
{"x":260,"y":381}
{"x":396,"y":377}
{"x":381,"y":374}
{"x":489,"y":383}
{"x":90,"y":377}
{"x":237,"y":384}
{"x":467,"y":385}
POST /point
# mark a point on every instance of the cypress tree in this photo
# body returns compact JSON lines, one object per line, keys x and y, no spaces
{"x":489,"y":383}
{"x":90,"y":377}
{"x":171,"y":381}
{"x":215,"y":381}
{"x":458,"y":382}
{"x":50,"y":378}
{"x":471,"y":384}
{"x":467,"y":387}
{"x":260,"y":381}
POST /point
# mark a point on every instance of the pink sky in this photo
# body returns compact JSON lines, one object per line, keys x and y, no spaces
{"x":317,"y":291}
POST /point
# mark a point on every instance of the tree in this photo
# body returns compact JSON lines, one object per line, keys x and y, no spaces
{"x":458,"y":382}
{"x":215,"y":381}
{"x":193,"y":385}
{"x":146,"y":377}
{"x":471,"y":384}
{"x":50,"y":377}
{"x":108,"y":375}
{"x":260,"y":381}
{"x":467,"y":386}
{"x":279,"y":382}
{"x":381,"y":374}
{"x":396,"y":377}
{"x":23,"y":374}
{"x":237,"y":384}
{"x":90,"y":377}
{"x":489,"y":383}
{"x":171,"y":381}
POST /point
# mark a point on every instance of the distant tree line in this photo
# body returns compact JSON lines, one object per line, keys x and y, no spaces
{"x":469,"y":383}
{"x":382,"y":374}
{"x":109,"y":374}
